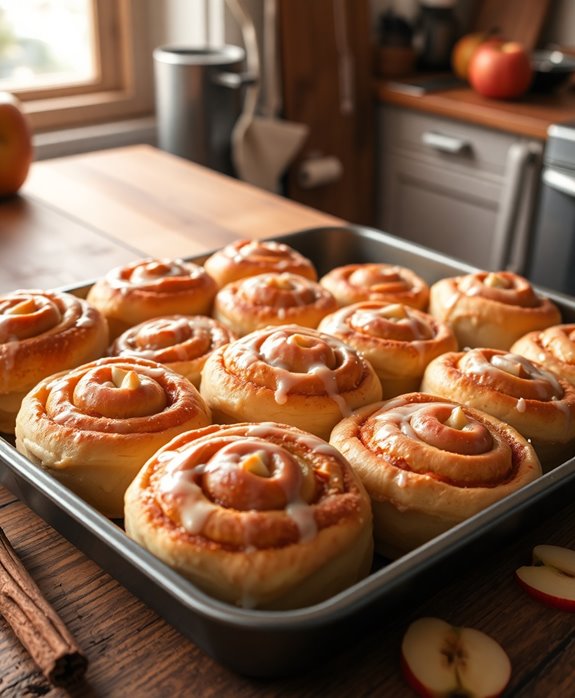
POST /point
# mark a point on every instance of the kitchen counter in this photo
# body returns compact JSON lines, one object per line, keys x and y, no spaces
{"x":529,"y":116}
{"x":75,"y":218}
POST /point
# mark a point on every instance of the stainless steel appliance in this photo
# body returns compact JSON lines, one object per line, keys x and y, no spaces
{"x":552,"y":255}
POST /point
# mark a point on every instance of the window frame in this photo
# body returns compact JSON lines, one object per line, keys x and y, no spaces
{"x":124,"y":85}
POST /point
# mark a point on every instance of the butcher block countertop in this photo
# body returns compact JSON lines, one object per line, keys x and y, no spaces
{"x":75,"y":218}
{"x":529,"y":116}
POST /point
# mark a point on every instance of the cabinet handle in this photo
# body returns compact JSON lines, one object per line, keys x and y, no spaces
{"x":445,"y":144}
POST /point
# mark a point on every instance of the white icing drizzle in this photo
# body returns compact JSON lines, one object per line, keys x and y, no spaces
{"x":303,"y":516}
{"x":521,"y":406}
{"x":250,"y":350}
{"x":151,"y":272}
{"x":194,"y":507}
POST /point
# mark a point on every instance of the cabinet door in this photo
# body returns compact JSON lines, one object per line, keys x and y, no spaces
{"x":449,"y":211}
{"x":455,"y":187}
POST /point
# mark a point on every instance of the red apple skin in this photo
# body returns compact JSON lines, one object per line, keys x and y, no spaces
{"x":500,"y":70}
{"x":547,"y":599}
{"x":16,"y":150}
{"x":413,"y":682}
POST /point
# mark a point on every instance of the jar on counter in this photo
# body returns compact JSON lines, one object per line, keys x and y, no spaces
{"x":436,"y":33}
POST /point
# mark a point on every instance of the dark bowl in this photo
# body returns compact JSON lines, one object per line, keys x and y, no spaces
{"x":551,"y":69}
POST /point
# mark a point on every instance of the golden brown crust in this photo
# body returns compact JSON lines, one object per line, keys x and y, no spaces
{"x":553,"y":347}
{"x":180,"y":342}
{"x":288,"y":374}
{"x":42,"y":332}
{"x":429,"y":463}
{"x":536,"y":402}
{"x":272,"y":299}
{"x":387,"y":283}
{"x":93,"y":427}
{"x":258,"y":515}
{"x":489,"y":309}
{"x":244,"y":258}
{"x":148,"y":288}
{"x":398,"y":341}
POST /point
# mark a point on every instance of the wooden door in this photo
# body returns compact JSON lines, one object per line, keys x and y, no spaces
{"x":326,"y":56}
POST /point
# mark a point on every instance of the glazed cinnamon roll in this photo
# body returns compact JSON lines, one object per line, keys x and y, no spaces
{"x":260,"y":516}
{"x":553,"y":347}
{"x":150,"y":288}
{"x":398,"y":341}
{"x":95,"y":426}
{"x":536,"y":402}
{"x":272,"y":299}
{"x":288,"y":374}
{"x":490,"y":309}
{"x":42,"y":332}
{"x":387,"y":283}
{"x":244,"y":258}
{"x":180,"y":342}
{"x":428,"y":463}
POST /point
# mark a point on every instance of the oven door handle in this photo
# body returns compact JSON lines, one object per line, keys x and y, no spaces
{"x":559,"y":181}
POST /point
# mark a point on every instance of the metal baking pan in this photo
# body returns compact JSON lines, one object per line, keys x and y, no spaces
{"x":274,"y":643}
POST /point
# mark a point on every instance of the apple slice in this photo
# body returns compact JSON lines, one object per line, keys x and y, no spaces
{"x":551,"y":578}
{"x":439,"y":659}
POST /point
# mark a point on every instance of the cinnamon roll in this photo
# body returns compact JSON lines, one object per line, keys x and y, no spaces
{"x":429,"y":463}
{"x":95,"y":426}
{"x":42,"y":332}
{"x":490,"y":309}
{"x":260,"y":516}
{"x":150,"y":288}
{"x":387,"y":283}
{"x":244,"y":258}
{"x":180,"y":342}
{"x":536,"y":402}
{"x":288,"y":374}
{"x":553,"y":347}
{"x":272,"y":299}
{"x":398,"y":341}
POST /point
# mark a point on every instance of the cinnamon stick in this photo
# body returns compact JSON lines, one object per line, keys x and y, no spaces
{"x":35,"y":622}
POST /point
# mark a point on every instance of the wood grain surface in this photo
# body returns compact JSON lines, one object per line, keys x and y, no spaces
{"x":121,"y":201}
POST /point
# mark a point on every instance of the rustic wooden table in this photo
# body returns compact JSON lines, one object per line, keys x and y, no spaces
{"x":78,"y":216}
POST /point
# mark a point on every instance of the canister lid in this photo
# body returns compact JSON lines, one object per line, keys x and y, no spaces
{"x":199,"y":55}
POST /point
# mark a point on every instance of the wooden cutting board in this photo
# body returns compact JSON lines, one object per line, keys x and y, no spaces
{"x":520,"y":20}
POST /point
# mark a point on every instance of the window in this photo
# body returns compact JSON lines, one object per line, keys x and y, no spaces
{"x":76,"y":62}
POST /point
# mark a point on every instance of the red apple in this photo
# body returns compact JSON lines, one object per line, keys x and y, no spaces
{"x":439,"y":659}
{"x":15,"y":145}
{"x":500,"y":69}
{"x":551,"y":578}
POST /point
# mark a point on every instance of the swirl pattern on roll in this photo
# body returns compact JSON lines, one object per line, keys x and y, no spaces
{"x":388,"y":283}
{"x":180,"y":342}
{"x":491,"y":309}
{"x":255,"y":514}
{"x":272,"y":299}
{"x":553,"y":347}
{"x":429,"y":462}
{"x":288,"y":374}
{"x":397,"y":340}
{"x":244,"y":258}
{"x":148,"y":288}
{"x":535,"y":401}
{"x":94,"y":426}
{"x":42,"y":332}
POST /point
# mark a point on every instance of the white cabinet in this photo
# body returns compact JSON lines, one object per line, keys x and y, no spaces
{"x":464,"y":190}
